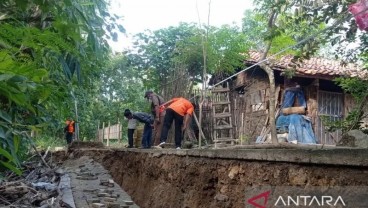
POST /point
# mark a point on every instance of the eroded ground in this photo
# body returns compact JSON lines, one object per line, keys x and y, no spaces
{"x":153,"y":179}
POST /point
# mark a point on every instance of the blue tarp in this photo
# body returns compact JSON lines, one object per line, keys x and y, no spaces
{"x":298,"y":126}
{"x":291,"y":94}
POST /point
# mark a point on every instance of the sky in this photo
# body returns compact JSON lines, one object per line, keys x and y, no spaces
{"x":139,"y":15}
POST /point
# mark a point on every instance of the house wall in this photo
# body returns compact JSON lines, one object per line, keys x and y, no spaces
{"x":250,"y":110}
{"x":249,"y":102}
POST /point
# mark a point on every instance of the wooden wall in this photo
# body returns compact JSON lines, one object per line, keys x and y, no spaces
{"x":250,"y":109}
{"x":249,"y":102}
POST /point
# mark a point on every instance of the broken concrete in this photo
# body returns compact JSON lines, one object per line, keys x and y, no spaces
{"x":218,"y":178}
{"x":85,"y":185}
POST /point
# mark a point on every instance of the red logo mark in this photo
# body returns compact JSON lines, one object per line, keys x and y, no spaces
{"x":262,"y":195}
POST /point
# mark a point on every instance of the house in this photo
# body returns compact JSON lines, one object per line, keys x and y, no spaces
{"x":324,"y":99}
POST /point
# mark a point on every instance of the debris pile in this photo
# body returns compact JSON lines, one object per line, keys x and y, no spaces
{"x":36,"y":187}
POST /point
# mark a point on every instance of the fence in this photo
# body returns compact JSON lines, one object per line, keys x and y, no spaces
{"x":111,"y":132}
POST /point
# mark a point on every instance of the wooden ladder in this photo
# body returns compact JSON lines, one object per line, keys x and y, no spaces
{"x":221,"y":113}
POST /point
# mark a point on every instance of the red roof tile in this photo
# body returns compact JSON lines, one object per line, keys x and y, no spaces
{"x":314,"y":66}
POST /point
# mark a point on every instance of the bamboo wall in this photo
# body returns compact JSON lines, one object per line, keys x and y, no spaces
{"x":250,"y":110}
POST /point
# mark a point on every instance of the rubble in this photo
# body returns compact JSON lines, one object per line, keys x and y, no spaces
{"x":36,"y":187}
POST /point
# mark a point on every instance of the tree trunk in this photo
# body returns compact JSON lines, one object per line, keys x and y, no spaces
{"x":271,"y":78}
{"x":272,"y":101}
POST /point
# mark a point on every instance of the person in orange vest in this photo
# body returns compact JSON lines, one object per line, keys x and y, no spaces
{"x":69,"y":130}
{"x":179,"y":110}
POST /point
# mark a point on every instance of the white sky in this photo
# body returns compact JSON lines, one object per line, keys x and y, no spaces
{"x":139,"y":15}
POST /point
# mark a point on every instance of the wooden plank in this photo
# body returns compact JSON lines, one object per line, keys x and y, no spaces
{"x":222,"y":115}
{"x":220,"y":90}
{"x":223,"y":127}
{"x":225,"y":139}
{"x":221,"y":103}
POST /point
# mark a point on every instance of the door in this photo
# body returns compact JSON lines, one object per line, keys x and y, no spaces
{"x":330,"y":107}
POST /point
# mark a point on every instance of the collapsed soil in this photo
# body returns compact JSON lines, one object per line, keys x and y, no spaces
{"x":177,"y":181}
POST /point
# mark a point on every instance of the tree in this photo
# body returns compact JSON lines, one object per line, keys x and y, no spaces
{"x":42,"y":46}
{"x":158,"y":53}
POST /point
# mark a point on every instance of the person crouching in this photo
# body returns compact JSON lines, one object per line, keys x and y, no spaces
{"x":148,"y":120}
{"x":179,"y":110}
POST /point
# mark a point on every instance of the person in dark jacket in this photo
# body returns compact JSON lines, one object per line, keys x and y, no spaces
{"x":148,"y":120}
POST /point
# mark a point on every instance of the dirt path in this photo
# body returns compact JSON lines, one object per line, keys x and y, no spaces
{"x":86,"y":177}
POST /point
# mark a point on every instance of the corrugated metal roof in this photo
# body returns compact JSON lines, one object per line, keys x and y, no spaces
{"x":314,"y":66}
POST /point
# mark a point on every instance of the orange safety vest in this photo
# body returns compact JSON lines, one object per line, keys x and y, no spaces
{"x":71,"y":127}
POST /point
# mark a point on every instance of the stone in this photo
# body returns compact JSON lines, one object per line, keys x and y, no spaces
{"x":233,"y":172}
{"x":103,"y":195}
{"x":89,"y":190}
{"x":111,"y":183}
{"x":86,"y":174}
{"x":109,"y":199}
{"x":102,"y":191}
{"x":354,"y":138}
{"x":86,"y":177}
{"x":59,"y":171}
{"x":104,"y":182}
{"x":129,"y":202}
{"x":115,"y":195}
{"x":110,"y":191}
{"x":297,"y":177}
{"x":221,"y":197}
{"x":113,"y":205}
{"x":93,"y":200}
{"x":98,"y":205}
{"x":224,"y":189}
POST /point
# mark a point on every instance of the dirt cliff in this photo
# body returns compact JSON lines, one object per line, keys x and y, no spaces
{"x":155,"y":180}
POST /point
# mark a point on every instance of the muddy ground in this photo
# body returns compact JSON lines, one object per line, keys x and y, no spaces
{"x":154,"y":180}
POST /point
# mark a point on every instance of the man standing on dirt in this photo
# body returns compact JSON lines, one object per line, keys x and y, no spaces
{"x":69,"y":130}
{"x":157,"y":113}
{"x":180,"y":110}
{"x":147,"y":119}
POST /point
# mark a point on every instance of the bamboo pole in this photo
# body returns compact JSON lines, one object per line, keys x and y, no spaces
{"x":242,"y":129}
{"x":108,"y":135}
{"x":200,"y":130}
{"x":119,"y":131}
{"x":98,"y":131}
{"x":103,"y":132}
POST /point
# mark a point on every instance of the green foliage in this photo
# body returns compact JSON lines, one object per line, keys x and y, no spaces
{"x":158,"y":54}
{"x":118,"y":86}
{"x":352,"y":121}
{"x":43,"y":142}
{"x":45,"y":48}
{"x":226,"y":47}
{"x":354,"y":86}
{"x":358,"y":89}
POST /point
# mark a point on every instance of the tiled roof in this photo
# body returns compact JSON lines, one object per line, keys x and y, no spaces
{"x":314,"y":66}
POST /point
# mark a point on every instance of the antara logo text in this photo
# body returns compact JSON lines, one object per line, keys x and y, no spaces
{"x":287,"y":201}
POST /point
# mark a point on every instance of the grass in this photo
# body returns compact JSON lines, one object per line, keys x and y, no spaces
{"x":43,"y":142}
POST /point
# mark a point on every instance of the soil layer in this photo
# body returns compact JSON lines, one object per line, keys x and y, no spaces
{"x":158,"y":180}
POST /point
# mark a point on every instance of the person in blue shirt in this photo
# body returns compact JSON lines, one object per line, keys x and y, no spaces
{"x":148,"y":120}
